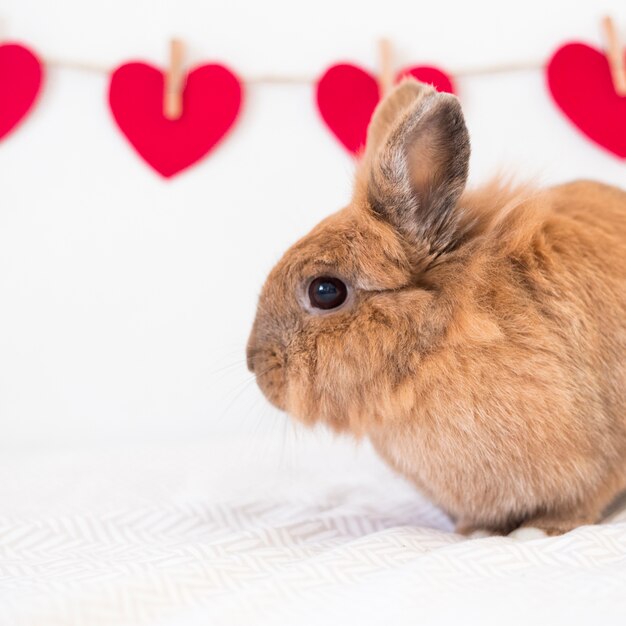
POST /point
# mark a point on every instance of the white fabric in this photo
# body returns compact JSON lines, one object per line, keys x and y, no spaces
{"x":310,"y":532}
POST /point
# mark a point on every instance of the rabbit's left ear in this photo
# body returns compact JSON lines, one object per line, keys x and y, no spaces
{"x":417,"y":169}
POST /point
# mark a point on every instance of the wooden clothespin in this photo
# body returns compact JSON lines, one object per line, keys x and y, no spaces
{"x":385,"y":59}
{"x":615,"y":53}
{"x":174,"y":81}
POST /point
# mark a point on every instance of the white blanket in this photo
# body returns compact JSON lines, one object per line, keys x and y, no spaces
{"x":259,"y":532}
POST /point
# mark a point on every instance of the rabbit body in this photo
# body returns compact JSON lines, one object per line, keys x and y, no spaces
{"x":522,"y":415}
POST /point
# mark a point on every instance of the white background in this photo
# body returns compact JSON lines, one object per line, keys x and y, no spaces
{"x":125,"y":300}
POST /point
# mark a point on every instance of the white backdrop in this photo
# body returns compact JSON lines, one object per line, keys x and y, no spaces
{"x":125,"y":301}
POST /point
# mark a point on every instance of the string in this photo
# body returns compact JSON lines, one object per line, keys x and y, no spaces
{"x":278,"y":79}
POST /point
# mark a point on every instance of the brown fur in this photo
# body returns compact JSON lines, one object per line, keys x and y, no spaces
{"x":482,"y":349}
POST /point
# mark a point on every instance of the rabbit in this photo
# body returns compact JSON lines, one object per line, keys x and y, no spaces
{"x":477,"y":338}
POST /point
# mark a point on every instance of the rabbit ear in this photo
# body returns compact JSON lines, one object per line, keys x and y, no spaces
{"x":389,"y":110}
{"x":417,"y":165}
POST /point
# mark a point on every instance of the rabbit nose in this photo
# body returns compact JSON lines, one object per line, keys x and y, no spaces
{"x":250,"y":359}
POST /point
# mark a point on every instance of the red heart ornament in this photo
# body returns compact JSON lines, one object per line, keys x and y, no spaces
{"x":211,"y":102}
{"x":579,"y":78}
{"x":21,"y":76}
{"x":347,"y":96}
{"x":346,"y":99}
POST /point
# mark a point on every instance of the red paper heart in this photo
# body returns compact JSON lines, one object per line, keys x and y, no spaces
{"x":348,"y":95}
{"x":21,"y":75}
{"x":211,"y":102}
{"x":579,"y":78}
{"x":346,"y":99}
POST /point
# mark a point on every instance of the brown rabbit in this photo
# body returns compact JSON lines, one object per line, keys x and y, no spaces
{"x":477,"y":338}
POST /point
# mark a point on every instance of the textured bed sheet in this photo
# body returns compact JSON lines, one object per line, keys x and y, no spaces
{"x":266,"y":532}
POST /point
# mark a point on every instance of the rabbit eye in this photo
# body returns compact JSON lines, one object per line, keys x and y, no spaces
{"x":326,"y":292}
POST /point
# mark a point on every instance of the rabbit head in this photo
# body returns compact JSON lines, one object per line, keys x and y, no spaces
{"x":346,"y":316}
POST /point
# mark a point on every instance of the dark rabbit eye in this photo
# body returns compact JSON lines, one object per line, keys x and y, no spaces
{"x":326,"y":292}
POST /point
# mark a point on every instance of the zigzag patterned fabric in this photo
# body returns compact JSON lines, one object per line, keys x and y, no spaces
{"x":260,"y":533}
